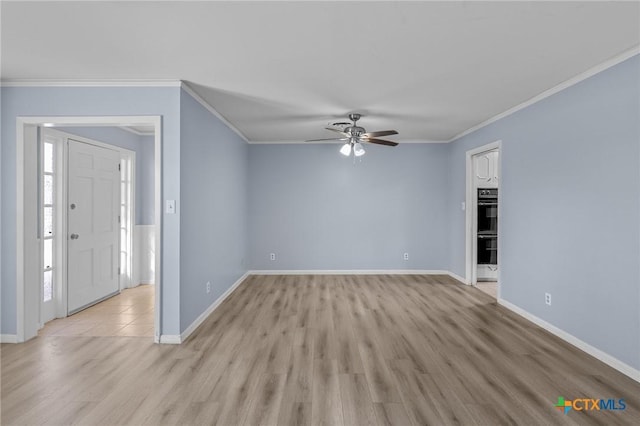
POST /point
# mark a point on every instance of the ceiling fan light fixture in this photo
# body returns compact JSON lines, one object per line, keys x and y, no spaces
{"x":355,"y":135}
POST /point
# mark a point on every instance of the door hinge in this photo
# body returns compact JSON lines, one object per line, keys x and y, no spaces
{"x":119,"y":167}
{"x":118,"y":218}
{"x":118,"y":270}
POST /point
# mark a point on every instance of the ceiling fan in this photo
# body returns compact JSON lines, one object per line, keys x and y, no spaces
{"x":353,"y":136}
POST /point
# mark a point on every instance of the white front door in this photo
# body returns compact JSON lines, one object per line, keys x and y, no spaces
{"x":93,"y":231}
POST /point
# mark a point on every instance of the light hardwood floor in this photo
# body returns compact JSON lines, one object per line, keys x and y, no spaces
{"x":333,"y":350}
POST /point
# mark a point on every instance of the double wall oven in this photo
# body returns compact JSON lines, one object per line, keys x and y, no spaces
{"x":487,"y":243}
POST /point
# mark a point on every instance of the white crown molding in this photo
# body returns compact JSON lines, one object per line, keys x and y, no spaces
{"x":571,"y":339}
{"x":178,"y":83}
{"x":212,"y":110}
{"x":552,"y":91}
{"x":88,"y":83}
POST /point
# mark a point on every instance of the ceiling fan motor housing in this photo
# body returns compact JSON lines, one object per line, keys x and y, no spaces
{"x":354,"y":131}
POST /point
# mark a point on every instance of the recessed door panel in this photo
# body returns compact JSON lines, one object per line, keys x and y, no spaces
{"x":483,"y":168}
{"x":82,"y":211}
{"x":105,"y":257}
{"x":104,"y":213}
{"x":83,"y":161}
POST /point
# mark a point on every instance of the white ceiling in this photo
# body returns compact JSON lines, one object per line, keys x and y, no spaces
{"x":280,"y":71}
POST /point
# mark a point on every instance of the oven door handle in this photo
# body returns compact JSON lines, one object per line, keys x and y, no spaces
{"x":487,"y":236}
{"x":487,"y":204}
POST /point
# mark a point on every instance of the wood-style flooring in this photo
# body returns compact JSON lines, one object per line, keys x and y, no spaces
{"x":332,"y":350}
{"x":129,"y":313}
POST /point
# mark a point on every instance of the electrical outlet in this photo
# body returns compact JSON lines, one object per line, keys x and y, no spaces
{"x":272,"y":256}
{"x":208,"y":287}
{"x":406,"y":256}
{"x":547,"y":298}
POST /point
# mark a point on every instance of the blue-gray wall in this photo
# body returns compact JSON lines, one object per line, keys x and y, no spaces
{"x":145,"y":168}
{"x":91,"y":101}
{"x":570,"y":212}
{"x":316,"y":209}
{"x":213,"y":191}
{"x":570,"y":209}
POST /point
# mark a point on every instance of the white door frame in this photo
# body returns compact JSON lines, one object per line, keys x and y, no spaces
{"x":470,"y":225}
{"x":28,"y":306}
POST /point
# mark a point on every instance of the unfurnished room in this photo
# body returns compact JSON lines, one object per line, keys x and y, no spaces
{"x":320,"y":213}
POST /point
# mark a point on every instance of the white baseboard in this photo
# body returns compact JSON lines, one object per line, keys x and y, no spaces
{"x":203,"y":316}
{"x":8,"y":338}
{"x":349,"y":272}
{"x":361,"y":272}
{"x":170,"y":339}
{"x":458,"y":278}
{"x":569,"y":338}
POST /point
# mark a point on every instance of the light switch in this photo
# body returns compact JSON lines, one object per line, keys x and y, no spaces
{"x":463,"y":205}
{"x":171,"y":207}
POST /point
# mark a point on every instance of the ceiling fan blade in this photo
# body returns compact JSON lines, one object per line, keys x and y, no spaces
{"x":338,"y":131}
{"x":328,"y":139}
{"x":380,"y":141}
{"x":380,"y":133}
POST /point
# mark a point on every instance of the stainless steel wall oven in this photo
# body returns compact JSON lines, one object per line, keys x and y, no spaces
{"x":487,"y":232}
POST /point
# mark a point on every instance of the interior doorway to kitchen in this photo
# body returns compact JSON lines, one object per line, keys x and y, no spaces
{"x":483,"y":218}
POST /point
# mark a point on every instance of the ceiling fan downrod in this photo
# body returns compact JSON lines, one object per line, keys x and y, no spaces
{"x":354,"y":130}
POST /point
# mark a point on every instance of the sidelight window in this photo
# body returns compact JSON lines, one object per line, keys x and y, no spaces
{"x":48,"y":196}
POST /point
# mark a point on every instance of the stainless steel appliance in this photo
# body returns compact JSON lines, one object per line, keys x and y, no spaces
{"x":487,"y":259}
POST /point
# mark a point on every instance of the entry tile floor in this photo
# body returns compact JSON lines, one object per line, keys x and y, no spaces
{"x":489,"y":287}
{"x":130,"y":313}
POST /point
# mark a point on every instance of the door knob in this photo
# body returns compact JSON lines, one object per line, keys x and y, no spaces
{"x":75,"y":236}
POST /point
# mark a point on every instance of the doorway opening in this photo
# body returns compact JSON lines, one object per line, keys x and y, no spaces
{"x":45,"y":235}
{"x":482,"y":218}
{"x":128,"y":313}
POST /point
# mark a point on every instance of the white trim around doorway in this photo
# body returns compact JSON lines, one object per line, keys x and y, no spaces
{"x":470,"y":273}
{"x":27,"y":311}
